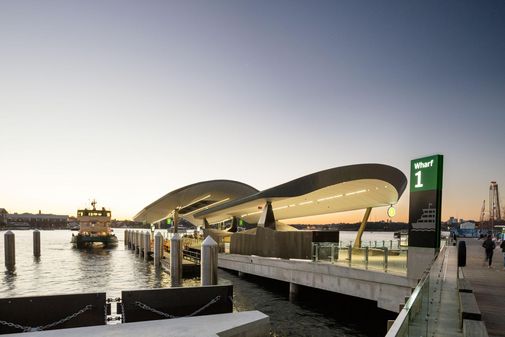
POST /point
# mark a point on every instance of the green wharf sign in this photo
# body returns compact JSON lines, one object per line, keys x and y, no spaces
{"x":426,"y":173}
{"x":425,"y":207}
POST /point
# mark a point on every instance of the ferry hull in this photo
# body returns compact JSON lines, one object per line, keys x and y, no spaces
{"x":83,"y":241}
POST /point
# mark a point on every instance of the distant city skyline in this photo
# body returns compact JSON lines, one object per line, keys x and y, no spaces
{"x":124,"y":101}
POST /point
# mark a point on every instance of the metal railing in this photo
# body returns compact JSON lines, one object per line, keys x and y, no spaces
{"x":418,"y":316}
{"x":386,"y":255}
{"x":192,"y":255}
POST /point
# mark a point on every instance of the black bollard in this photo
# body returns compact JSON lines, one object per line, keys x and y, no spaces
{"x":462,"y":254}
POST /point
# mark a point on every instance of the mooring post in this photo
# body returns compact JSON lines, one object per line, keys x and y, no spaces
{"x":134,"y":241}
{"x":141,"y":244}
{"x":366,"y":256}
{"x":176,"y":260}
{"x":162,"y":248}
{"x":208,"y":263}
{"x":10,"y":250}
{"x":385,"y":258}
{"x":158,"y":239}
{"x":147,"y":245}
{"x":137,"y":242}
{"x":126,"y":237}
{"x":36,"y":243}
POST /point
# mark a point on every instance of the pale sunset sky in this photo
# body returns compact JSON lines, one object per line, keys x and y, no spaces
{"x":124,"y":101}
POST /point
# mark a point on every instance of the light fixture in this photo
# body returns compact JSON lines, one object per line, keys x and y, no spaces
{"x":391,"y":211}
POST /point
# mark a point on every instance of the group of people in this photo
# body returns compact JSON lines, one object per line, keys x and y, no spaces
{"x":489,"y":246}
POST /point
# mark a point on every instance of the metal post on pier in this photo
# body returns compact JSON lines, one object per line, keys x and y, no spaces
{"x":349,"y":253}
{"x":137,"y":242}
{"x":366,"y":256}
{"x":209,"y":259}
{"x":10,"y":250}
{"x":158,"y":246}
{"x":162,"y":248}
{"x":141,"y":244}
{"x":176,"y":260}
{"x":385,"y":258}
{"x":147,"y":245}
{"x":36,"y":243}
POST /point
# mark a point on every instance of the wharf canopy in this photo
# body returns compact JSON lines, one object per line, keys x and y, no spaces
{"x":339,"y":189}
{"x":192,"y":198}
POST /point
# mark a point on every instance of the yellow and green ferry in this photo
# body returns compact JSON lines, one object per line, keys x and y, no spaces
{"x":94,"y":228}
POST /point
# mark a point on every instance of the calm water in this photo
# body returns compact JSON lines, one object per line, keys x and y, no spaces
{"x":62,"y":270}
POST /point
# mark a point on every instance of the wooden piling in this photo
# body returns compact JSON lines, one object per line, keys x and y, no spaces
{"x":10,"y":250}
{"x":36,"y":243}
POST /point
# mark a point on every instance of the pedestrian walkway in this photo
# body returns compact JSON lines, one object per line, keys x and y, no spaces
{"x":488,"y":285}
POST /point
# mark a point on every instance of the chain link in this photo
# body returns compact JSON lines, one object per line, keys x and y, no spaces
{"x":63,"y":320}
{"x":148,"y":308}
{"x":47,"y":326}
{"x":17,"y":326}
{"x":161,"y":313}
{"x":216,"y":299}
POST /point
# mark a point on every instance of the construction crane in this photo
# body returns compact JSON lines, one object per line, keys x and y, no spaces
{"x":483,"y":211}
{"x":494,"y":202}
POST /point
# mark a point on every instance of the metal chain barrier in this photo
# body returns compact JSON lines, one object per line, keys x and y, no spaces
{"x":63,"y":320}
{"x":216,"y":299}
{"x":17,"y":326}
{"x":148,"y":308}
{"x":47,"y":326}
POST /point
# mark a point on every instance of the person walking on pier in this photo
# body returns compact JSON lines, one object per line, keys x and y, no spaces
{"x":502,"y":246}
{"x":489,"y":246}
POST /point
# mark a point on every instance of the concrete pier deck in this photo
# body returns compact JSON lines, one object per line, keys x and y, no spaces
{"x":388,"y":290}
{"x":488,"y":285}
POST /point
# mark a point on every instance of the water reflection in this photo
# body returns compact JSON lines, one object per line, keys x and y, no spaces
{"x":9,"y":280}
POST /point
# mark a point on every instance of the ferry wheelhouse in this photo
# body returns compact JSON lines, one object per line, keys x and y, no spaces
{"x":94,"y":228}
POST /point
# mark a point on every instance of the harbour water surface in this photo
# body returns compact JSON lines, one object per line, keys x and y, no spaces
{"x":62,"y":269}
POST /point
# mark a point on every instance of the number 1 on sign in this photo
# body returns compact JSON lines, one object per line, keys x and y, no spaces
{"x":418,"y":184}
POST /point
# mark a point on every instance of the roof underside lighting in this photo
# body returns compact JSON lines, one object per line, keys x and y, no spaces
{"x":203,"y":205}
